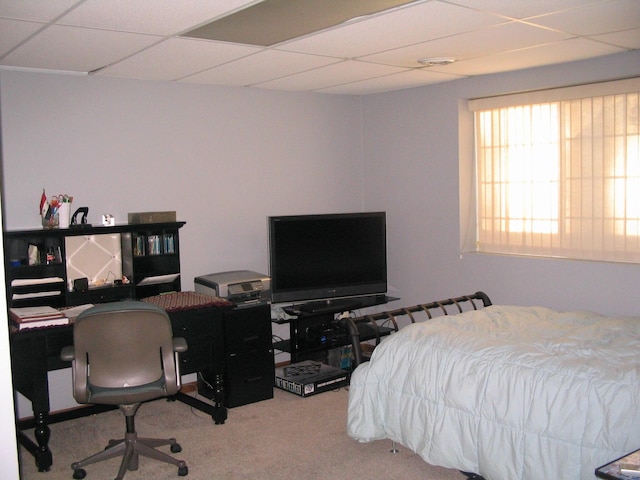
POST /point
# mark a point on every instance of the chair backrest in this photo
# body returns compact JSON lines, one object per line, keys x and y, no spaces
{"x":122,"y":345}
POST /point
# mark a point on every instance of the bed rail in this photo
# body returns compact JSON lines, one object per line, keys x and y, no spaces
{"x":450,"y":306}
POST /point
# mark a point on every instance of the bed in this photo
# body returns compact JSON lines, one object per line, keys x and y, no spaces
{"x":502,"y":392}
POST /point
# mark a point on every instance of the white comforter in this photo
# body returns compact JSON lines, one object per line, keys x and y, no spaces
{"x":505,"y":392}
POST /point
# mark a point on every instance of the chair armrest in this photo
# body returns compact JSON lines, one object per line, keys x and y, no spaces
{"x":179,"y":345}
{"x":68,"y":354}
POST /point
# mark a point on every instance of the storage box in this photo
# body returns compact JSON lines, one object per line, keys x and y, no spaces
{"x":152,"y":217}
{"x":309,"y":378}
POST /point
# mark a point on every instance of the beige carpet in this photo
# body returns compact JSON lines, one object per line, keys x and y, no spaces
{"x":288,"y":437}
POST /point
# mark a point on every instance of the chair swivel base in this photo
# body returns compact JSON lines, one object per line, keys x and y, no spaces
{"x":130,"y":448}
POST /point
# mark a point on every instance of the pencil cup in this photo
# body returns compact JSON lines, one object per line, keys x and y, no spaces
{"x":52,"y":221}
{"x":64,"y":211}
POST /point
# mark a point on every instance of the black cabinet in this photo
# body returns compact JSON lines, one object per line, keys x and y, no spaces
{"x":248,"y":354}
{"x":243,"y":354}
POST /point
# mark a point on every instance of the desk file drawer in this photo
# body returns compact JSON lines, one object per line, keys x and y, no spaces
{"x":247,"y":329}
{"x":249,"y":378}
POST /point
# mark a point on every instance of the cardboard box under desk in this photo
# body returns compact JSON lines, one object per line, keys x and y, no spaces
{"x":309,"y":378}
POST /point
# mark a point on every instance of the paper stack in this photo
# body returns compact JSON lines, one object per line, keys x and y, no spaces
{"x":36,"y":317}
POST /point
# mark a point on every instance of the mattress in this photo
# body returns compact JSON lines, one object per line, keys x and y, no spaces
{"x":505,"y":392}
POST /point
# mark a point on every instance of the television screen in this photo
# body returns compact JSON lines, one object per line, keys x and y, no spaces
{"x":327,"y":256}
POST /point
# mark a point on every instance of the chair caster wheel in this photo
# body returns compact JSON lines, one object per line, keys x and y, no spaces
{"x":176,"y":448}
{"x":183,"y":471}
{"x":79,"y":474}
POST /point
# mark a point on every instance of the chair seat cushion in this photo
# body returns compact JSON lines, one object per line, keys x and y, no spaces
{"x":127,"y":394}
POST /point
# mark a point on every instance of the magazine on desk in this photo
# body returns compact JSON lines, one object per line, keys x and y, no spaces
{"x":624,"y":468}
{"x":72,"y":312}
{"x":36,"y":317}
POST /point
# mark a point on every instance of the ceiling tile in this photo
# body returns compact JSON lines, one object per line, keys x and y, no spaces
{"x":520,"y":9}
{"x":76,"y":49}
{"x":187,"y":56}
{"x":15,"y":32}
{"x":270,"y":22}
{"x":159,"y":17}
{"x":261,"y":67}
{"x":336,"y":74}
{"x":565,"y":51}
{"x":38,"y":11}
{"x":392,"y":30}
{"x":595,"y":19}
{"x":625,"y":39}
{"x":398,"y":81}
{"x":513,"y":35}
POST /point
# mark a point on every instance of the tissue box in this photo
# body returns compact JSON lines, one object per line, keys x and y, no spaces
{"x":152,"y":217}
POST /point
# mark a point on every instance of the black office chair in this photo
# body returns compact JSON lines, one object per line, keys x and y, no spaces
{"x":124,"y":354}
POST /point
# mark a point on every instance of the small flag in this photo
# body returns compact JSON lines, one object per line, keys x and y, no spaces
{"x":43,"y":201}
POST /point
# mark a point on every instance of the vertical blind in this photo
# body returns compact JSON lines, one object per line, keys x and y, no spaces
{"x":558,"y":172}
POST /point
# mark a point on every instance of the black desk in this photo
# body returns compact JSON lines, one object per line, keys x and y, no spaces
{"x":36,"y":352}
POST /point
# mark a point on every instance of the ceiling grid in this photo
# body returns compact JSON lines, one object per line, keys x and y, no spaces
{"x":347,"y":47}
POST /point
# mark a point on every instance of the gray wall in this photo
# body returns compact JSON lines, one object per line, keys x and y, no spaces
{"x":226,"y":158}
{"x":411,"y":151}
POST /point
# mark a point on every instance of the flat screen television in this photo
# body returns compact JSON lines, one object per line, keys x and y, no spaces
{"x":327,"y":256}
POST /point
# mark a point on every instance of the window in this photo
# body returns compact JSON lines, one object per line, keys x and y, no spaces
{"x":558,"y":172}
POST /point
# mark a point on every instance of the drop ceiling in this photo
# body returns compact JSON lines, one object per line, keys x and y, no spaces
{"x":374,"y":52}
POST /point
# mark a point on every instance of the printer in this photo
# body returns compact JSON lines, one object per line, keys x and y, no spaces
{"x":242,"y":287}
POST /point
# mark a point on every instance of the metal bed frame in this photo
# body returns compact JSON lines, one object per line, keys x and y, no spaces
{"x":450,"y":306}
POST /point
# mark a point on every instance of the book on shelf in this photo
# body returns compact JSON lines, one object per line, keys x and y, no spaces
{"x":36,"y":317}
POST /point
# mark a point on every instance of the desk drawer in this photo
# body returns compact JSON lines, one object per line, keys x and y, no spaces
{"x":190,"y":329}
{"x":247,"y":329}
{"x":249,"y":378}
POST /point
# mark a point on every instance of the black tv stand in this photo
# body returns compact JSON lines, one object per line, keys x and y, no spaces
{"x":314,"y":329}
